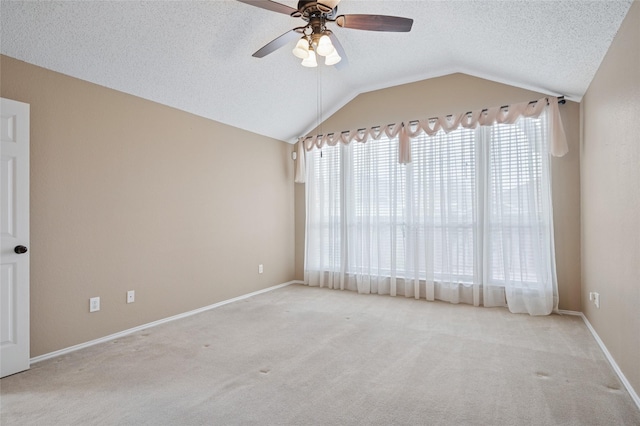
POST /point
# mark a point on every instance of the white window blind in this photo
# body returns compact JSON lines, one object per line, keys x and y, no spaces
{"x":516,"y":226}
{"x":375,"y":186}
{"x":323,"y":247}
{"x":443,"y":179}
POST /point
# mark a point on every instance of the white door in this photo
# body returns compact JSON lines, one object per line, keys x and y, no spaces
{"x":14,"y":229}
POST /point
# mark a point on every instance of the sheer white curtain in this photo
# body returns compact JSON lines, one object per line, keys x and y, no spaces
{"x":324,"y":264}
{"x":468,"y":220}
{"x":444,"y":220}
{"x":520,"y":254}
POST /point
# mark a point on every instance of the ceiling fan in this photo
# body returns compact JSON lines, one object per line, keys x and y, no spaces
{"x":315,"y":37}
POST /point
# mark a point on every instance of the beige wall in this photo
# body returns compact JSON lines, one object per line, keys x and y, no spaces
{"x":458,"y":93}
{"x":127,"y":194}
{"x":610,"y":160}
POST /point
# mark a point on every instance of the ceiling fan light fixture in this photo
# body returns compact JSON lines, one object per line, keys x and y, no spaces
{"x":333,"y":58}
{"x":324,"y":46}
{"x":310,"y":61}
{"x":302,"y":49}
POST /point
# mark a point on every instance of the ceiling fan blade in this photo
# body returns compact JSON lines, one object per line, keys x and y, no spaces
{"x":276,"y":44}
{"x":336,"y":43}
{"x":271,"y":5}
{"x":375,"y":23}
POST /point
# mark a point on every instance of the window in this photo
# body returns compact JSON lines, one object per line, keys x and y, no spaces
{"x":472,"y":208}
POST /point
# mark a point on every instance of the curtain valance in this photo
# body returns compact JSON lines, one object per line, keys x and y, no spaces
{"x":411,"y":129}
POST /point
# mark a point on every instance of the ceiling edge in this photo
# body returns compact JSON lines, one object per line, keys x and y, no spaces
{"x":327,"y":113}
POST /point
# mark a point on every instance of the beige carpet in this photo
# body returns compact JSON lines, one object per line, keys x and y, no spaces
{"x":309,"y":356}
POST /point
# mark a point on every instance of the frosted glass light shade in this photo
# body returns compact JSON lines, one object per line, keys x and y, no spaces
{"x":333,"y":58}
{"x":310,"y":61}
{"x":302,"y":49}
{"x":324,"y":46}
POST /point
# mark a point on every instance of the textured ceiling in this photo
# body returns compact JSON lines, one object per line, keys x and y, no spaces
{"x":196,"y":55}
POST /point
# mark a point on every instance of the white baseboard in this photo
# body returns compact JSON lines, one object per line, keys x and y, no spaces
{"x":607,"y":355}
{"x":153,"y":324}
{"x":565,"y":312}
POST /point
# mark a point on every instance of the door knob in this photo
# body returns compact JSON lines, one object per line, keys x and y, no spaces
{"x":20,"y":249}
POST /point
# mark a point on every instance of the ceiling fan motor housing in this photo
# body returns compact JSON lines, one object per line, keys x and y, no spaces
{"x":308,"y":9}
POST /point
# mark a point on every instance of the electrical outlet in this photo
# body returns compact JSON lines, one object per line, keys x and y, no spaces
{"x":94,"y":304}
{"x":596,"y":299}
{"x":260,"y":268}
{"x":131,"y":296}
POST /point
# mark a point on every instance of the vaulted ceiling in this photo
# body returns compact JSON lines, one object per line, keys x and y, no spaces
{"x":196,"y":55}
